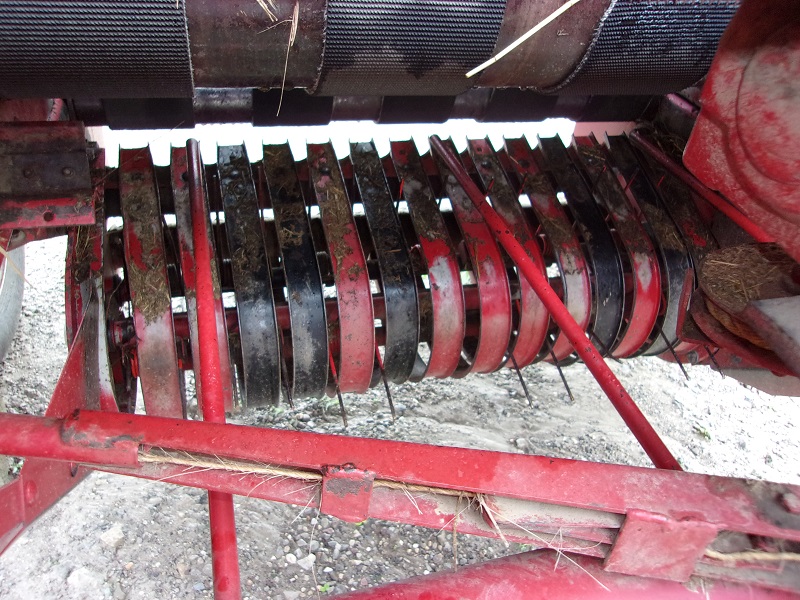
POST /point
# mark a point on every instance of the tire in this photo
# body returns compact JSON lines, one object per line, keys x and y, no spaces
{"x":12,"y":286}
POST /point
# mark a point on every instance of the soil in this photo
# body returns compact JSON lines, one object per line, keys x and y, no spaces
{"x":122,"y":538}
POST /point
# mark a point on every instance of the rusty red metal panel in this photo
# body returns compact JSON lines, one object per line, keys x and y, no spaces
{"x":652,"y":545}
{"x":746,"y":140}
{"x":45,"y":176}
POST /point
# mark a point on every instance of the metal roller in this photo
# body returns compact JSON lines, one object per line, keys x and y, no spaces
{"x":333,"y":272}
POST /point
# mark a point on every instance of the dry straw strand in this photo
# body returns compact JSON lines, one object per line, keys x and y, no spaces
{"x":268,"y":6}
{"x":292,"y":37}
{"x":524,"y":37}
{"x":753,"y":556}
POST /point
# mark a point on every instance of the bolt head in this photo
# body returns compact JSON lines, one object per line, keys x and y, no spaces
{"x":791,"y":502}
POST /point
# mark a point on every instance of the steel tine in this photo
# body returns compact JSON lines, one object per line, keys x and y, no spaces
{"x":385,"y":382}
{"x":561,"y":374}
{"x":674,"y":355}
{"x":603,"y":348}
{"x":338,"y":391}
{"x":285,"y":374}
{"x":522,"y":381}
{"x":714,"y":360}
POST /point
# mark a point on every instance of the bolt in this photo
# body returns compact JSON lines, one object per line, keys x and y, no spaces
{"x":27,"y":172}
{"x":325,"y":170}
{"x":791,"y":502}
{"x":67,"y":171}
{"x":486,"y":164}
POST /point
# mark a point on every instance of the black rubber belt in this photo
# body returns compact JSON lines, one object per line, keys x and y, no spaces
{"x":397,"y":276}
{"x":258,"y":327}
{"x":309,"y":327}
{"x":406,"y":48}
{"x":94,"y":49}
{"x":605,"y":265}
{"x":672,"y":254}
{"x":651,"y":47}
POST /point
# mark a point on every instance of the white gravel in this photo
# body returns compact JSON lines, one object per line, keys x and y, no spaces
{"x":117,"y":537}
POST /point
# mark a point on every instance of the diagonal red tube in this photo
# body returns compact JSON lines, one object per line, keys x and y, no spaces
{"x":222,"y":522}
{"x":623,"y":403}
{"x":712,"y":197}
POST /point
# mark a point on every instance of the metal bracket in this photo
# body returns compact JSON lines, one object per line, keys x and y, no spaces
{"x":653,"y":545}
{"x":346,"y":492}
{"x":45,"y":176}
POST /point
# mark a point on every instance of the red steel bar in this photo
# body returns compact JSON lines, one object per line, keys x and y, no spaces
{"x":220,"y":505}
{"x":41,"y":437}
{"x":731,"y":504}
{"x":712,"y":197}
{"x":626,"y":407}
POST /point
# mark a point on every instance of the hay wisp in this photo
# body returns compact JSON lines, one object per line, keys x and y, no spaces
{"x":524,"y":37}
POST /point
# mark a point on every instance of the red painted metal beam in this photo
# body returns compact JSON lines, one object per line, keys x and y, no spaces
{"x":729,"y":503}
{"x":546,"y":574}
{"x":626,"y":407}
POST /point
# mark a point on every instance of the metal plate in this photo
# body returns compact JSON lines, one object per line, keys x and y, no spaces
{"x":258,"y":328}
{"x":309,"y":328}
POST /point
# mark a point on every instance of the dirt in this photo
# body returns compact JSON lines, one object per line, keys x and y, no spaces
{"x":115,"y":537}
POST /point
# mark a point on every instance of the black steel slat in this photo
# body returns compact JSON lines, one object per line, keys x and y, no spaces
{"x":397,"y":276}
{"x":258,"y":328}
{"x":309,"y":328}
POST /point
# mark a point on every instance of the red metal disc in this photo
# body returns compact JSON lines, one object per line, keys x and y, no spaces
{"x":644,"y":286}
{"x":353,"y":295}
{"x":149,"y":286}
{"x":534,"y":318}
{"x":444,"y":275}
{"x":557,"y":228}
{"x":492,"y":280}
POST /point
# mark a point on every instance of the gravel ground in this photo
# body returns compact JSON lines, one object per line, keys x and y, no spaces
{"x":118,"y":537}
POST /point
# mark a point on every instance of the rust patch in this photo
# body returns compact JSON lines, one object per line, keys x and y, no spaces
{"x":342,"y":487}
